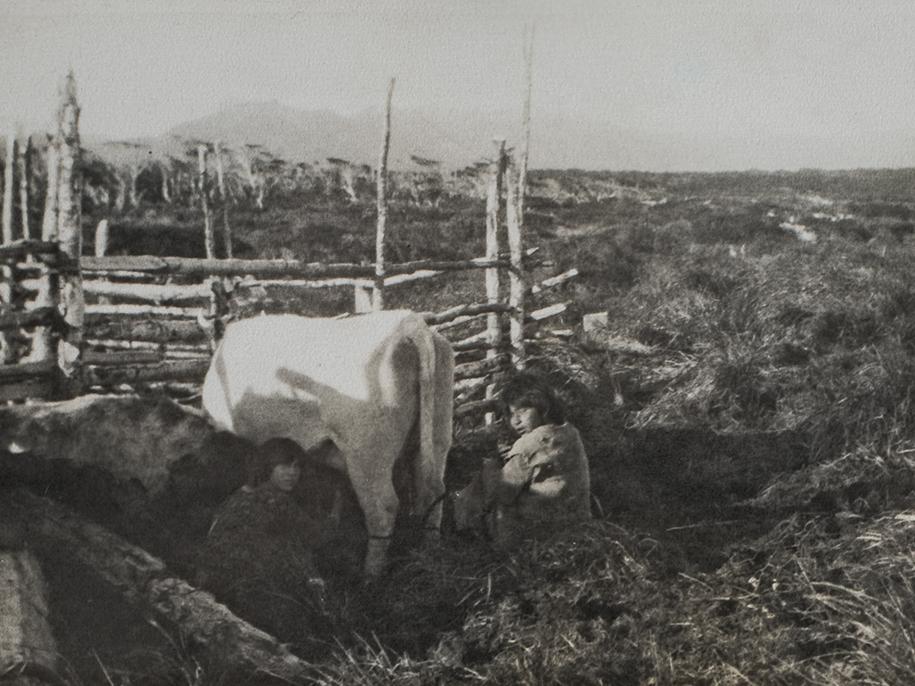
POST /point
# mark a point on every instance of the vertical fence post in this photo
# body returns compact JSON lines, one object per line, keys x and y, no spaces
{"x":224,"y":199}
{"x":6,"y":273}
{"x":25,"y":173}
{"x":43,"y":343}
{"x":209,"y":237}
{"x":382,"y":204}
{"x":101,"y":249}
{"x":70,"y":236}
{"x":8,"y":185}
{"x":516,"y":271}
{"x":493,"y":203}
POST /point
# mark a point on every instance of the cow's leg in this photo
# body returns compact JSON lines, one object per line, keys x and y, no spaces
{"x":378,"y":500}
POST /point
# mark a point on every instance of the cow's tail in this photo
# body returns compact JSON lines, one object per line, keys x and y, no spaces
{"x":421,"y":336}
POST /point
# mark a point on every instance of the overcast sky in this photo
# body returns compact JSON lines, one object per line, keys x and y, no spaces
{"x":833,"y":69}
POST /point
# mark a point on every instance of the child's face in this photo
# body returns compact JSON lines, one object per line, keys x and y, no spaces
{"x":524,"y":419}
{"x":286,"y":476}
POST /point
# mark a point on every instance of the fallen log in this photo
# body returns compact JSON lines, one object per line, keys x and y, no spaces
{"x":146,"y":582}
{"x":28,"y":651}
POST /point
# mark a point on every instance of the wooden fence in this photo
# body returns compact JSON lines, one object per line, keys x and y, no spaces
{"x":72,"y":323}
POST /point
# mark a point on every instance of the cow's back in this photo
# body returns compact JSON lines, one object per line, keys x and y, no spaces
{"x":290,"y":376}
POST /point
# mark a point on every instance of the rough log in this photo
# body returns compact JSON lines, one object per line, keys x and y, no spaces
{"x":546,"y":312}
{"x":191,"y":266}
{"x":43,"y":250}
{"x":146,"y":582}
{"x":22,"y":390}
{"x":553,"y":281}
{"x":28,"y":651}
{"x":481,"y":368}
{"x":45,"y":316}
{"x":170,"y":294}
{"x":115,"y":344}
{"x":452,"y":313}
{"x":177,"y":370}
{"x":143,"y":311}
{"x":148,"y":330}
{"x":25,"y":370}
{"x":122,"y":357}
{"x":475,"y":407}
{"x":471,"y":342}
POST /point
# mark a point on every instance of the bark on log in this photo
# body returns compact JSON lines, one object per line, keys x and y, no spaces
{"x":28,"y":651}
{"x":143,"y":311}
{"x":25,"y":370}
{"x":145,"y":581}
{"x":177,"y":370}
{"x":122,"y":357}
{"x":190,"y":266}
{"x":153,"y":331}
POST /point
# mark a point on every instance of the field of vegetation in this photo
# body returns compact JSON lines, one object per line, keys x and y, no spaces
{"x":748,"y":415}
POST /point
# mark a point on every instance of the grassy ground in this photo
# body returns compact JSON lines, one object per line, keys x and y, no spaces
{"x":749,"y":420}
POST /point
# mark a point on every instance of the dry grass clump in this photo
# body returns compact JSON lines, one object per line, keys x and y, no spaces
{"x":562,"y":610}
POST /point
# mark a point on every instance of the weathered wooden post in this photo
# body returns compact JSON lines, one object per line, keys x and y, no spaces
{"x":6,"y":274}
{"x":516,"y":284}
{"x":515,"y":219}
{"x":382,"y":204}
{"x":224,"y":199}
{"x":25,"y":173}
{"x":209,"y":237}
{"x":9,"y":172}
{"x":70,"y":237}
{"x":101,"y":249}
{"x":43,"y":342}
{"x":493,"y":205}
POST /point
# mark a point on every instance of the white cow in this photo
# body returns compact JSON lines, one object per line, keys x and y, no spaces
{"x":367,"y":383}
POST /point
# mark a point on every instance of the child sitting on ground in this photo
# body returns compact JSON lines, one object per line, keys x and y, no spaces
{"x":543,"y":483}
{"x":258,"y":557}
